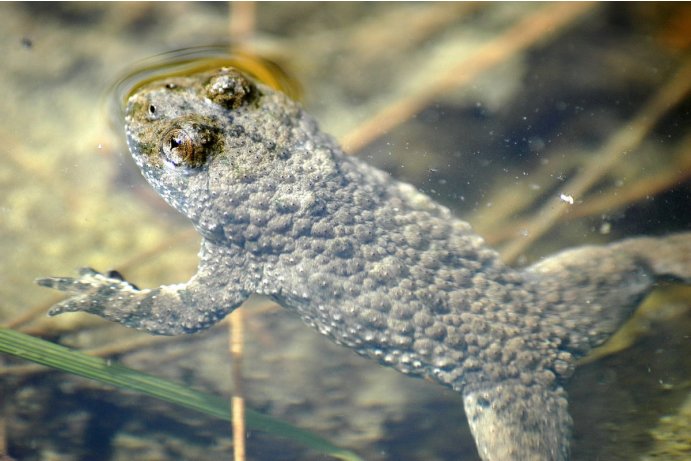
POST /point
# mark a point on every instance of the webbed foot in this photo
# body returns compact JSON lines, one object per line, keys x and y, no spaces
{"x":91,"y":290}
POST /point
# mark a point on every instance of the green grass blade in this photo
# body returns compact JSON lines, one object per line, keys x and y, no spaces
{"x":62,"y":358}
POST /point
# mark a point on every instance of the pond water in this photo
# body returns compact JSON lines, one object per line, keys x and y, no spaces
{"x":492,"y":109}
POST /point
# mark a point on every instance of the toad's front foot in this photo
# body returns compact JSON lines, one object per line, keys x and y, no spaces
{"x":165,"y":310}
{"x":92,"y":290}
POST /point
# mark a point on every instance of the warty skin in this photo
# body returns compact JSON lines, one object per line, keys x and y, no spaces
{"x":368,"y":261}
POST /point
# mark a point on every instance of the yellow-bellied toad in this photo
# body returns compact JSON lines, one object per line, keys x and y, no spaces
{"x":369,"y":261}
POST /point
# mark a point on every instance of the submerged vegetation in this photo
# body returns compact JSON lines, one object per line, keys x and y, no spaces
{"x":105,"y":371}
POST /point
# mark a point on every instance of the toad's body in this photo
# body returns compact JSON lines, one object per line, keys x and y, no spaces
{"x":368,"y":261}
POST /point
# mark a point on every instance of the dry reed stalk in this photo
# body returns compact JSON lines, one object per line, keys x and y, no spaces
{"x":238,"y":400}
{"x":241,"y":29}
{"x":242,"y":21}
{"x":614,"y":198}
{"x":546,"y":21}
{"x":623,"y":142}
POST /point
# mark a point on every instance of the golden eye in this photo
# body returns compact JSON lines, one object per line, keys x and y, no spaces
{"x":230,"y":89}
{"x":184,"y":147}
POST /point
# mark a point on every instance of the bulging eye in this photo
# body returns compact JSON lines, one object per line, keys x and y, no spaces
{"x":230,"y":89}
{"x":178,"y":148}
{"x":186,"y":144}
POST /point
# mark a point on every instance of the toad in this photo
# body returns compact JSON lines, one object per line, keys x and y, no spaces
{"x":369,"y":261}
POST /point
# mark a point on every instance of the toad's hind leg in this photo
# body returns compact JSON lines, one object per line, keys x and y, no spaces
{"x":667,"y":257}
{"x":512,"y":421}
{"x":590,"y":291}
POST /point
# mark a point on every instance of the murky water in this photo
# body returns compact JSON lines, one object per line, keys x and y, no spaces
{"x":494,"y":140}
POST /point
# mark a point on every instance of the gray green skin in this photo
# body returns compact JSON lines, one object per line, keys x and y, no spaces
{"x":366,"y":260}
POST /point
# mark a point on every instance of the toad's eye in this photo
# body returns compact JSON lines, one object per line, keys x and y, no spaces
{"x":178,"y":147}
{"x":230,"y":89}
{"x":186,"y":144}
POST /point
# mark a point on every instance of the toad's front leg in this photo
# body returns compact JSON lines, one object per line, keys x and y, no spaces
{"x":167,"y":310}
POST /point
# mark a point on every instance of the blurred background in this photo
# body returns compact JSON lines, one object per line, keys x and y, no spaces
{"x":502,"y":111}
